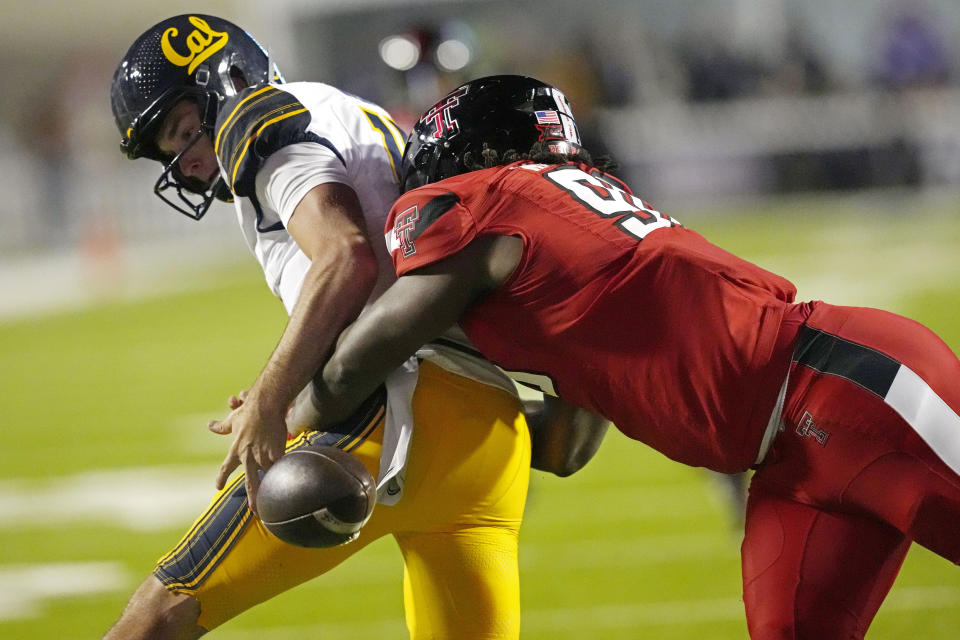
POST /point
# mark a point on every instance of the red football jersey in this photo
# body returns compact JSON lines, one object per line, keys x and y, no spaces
{"x":615,"y":305}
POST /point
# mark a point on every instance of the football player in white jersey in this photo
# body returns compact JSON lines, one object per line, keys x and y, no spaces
{"x":312,"y":172}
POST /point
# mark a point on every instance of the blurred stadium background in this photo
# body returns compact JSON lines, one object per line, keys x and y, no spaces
{"x":819,"y":138}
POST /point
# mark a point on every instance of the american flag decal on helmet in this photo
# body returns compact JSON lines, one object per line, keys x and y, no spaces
{"x":547,"y":117}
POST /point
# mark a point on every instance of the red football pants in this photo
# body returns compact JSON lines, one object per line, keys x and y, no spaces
{"x":867,"y":462}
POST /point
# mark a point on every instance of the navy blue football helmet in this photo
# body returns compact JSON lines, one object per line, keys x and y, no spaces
{"x":500,"y":112}
{"x":195,"y":57}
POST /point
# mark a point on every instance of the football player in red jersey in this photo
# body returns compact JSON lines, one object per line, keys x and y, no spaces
{"x":557,"y":272}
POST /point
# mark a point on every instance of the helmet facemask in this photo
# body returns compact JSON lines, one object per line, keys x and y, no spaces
{"x":193,"y":196}
{"x":193,"y":206}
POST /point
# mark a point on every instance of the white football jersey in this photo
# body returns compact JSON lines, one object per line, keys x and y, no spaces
{"x":329,"y":136}
{"x":277,"y":142}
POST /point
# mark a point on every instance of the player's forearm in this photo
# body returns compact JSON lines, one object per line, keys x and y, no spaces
{"x":381,"y":339}
{"x":335,"y":289}
{"x":413,"y":311}
{"x":416,"y":309}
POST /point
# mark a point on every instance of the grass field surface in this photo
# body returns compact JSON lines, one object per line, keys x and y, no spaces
{"x":105,"y":459}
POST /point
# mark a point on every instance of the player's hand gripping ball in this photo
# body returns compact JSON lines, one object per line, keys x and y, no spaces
{"x":317,"y":496}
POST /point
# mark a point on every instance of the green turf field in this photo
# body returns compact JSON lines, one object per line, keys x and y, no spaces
{"x":105,"y":459}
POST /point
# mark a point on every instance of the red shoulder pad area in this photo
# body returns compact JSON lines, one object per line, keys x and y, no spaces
{"x":426,"y":225}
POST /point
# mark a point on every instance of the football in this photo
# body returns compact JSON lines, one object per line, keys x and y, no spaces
{"x":316,"y":496}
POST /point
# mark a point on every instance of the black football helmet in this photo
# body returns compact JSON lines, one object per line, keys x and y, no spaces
{"x":195,"y":57}
{"x":501,"y":112}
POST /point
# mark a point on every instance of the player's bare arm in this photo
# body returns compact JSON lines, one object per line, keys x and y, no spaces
{"x":563,"y":437}
{"x":417,"y":308}
{"x":327,"y":225}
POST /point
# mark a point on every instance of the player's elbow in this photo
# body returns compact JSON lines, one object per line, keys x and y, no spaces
{"x":354,"y":255}
{"x":346,"y":258}
{"x":364,"y":261}
{"x":336,"y":391}
{"x":333,"y":380}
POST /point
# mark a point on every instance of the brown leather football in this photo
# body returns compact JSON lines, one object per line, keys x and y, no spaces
{"x":316,"y":496}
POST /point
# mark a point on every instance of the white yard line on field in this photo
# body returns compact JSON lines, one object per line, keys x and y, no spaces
{"x":25,"y":587}
{"x":141,"y":499}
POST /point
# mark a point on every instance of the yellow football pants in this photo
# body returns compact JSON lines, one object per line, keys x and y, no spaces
{"x":456,"y":524}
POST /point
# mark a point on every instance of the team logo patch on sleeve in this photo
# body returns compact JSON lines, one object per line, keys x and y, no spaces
{"x":413,"y":221}
{"x":403,"y":231}
{"x":807,"y":428}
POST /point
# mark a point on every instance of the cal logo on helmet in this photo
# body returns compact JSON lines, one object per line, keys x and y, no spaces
{"x":201,"y":43}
